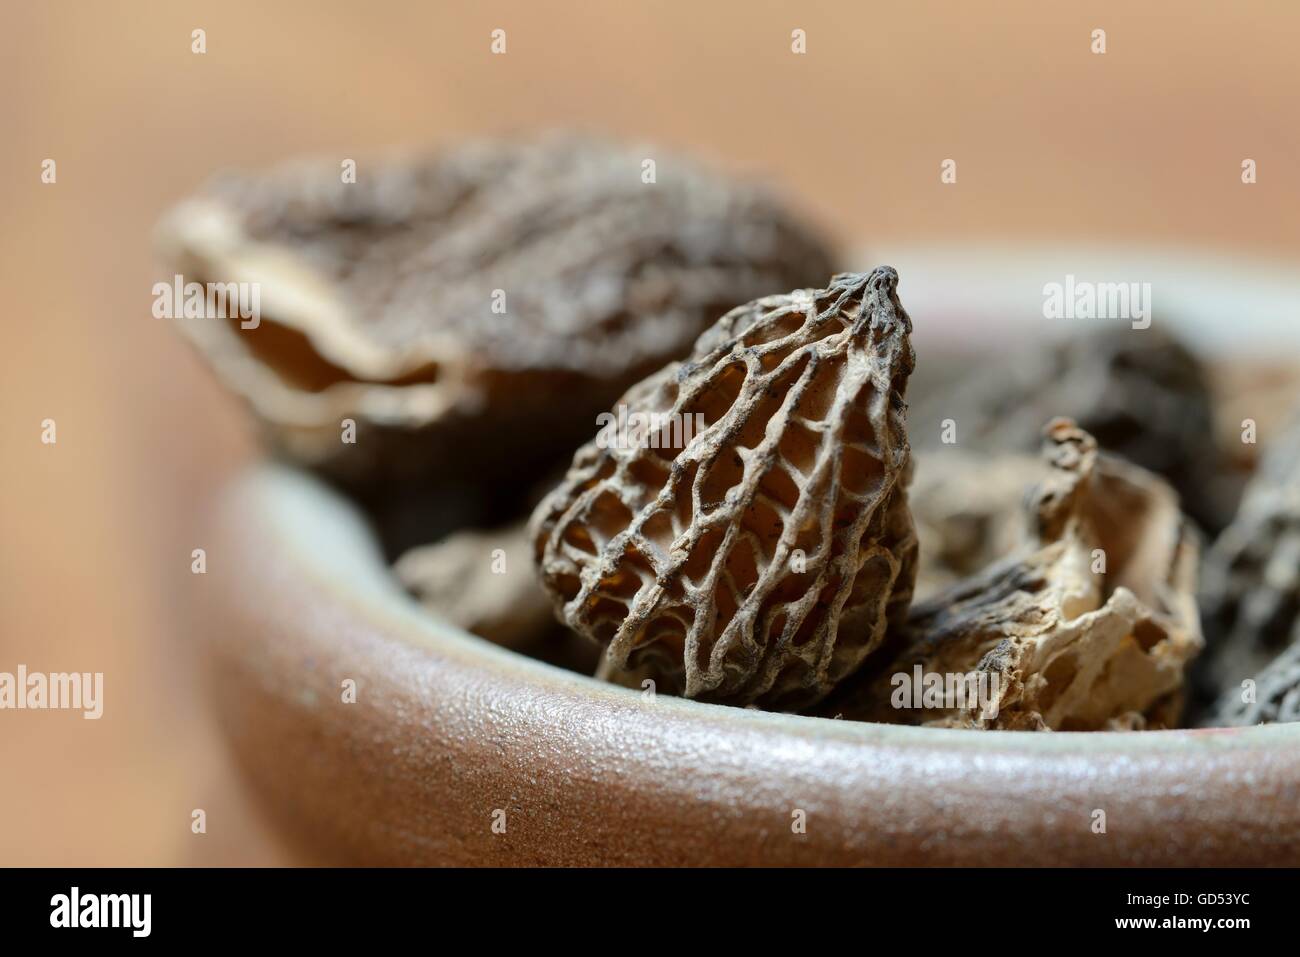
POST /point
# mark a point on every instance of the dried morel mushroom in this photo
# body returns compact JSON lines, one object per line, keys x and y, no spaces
{"x":760,"y":559}
{"x":482,"y":581}
{"x":969,"y":511}
{"x":1274,"y":697}
{"x":473,"y":310}
{"x":1088,"y":628}
{"x":1250,"y":594}
{"x":1139,"y":392}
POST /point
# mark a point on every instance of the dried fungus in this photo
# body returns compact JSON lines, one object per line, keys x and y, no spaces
{"x":760,"y":559}
{"x":1273,"y":695}
{"x":473,"y":310}
{"x":1250,"y":593}
{"x":1089,"y":627}
{"x":969,"y":512}
{"x":483,"y":582}
{"x":1139,"y":392}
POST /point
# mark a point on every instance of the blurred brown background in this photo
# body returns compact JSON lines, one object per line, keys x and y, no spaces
{"x":1143,"y":143}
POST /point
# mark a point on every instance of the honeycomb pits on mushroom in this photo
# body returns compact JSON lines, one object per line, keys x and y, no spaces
{"x":762,"y":560}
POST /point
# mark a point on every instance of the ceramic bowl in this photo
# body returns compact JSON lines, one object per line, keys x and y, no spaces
{"x":458,"y":752}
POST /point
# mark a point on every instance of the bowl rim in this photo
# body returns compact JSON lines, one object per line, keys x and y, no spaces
{"x":993,"y":291}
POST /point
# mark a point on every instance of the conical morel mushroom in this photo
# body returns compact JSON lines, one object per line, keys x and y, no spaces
{"x":739,"y":530}
{"x":1089,"y":627}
